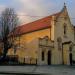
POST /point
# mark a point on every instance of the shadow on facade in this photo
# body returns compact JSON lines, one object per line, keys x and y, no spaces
{"x":13,"y":60}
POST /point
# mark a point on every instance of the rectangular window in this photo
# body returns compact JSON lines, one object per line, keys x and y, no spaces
{"x":64,"y":30}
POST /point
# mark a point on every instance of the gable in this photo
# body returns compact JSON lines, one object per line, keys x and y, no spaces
{"x":64,"y":15}
{"x":63,"y":26}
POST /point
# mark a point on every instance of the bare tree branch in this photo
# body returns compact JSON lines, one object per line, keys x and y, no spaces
{"x":8,"y":24}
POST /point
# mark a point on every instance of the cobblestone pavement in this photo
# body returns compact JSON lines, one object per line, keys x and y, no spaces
{"x":48,"y":70}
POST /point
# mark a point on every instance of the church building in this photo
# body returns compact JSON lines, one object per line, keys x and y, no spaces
{"x":50,"y":40}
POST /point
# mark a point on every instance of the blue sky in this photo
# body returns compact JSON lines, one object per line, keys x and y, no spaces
{"x":38,"y":8}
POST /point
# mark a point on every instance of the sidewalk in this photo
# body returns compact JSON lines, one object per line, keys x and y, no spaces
{"x":51,"y":70}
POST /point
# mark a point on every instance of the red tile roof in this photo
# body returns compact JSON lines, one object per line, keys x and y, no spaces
{"x":36,"y":25}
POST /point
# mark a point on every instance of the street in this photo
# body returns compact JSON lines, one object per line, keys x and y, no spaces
{"x":48,"y":70}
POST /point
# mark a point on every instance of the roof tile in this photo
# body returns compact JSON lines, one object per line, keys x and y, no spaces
{"x":36,"y":25}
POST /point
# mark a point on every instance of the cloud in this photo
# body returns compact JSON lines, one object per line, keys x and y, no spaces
{"x":39,"y":8}
{"x":2,"y":7}
{"x":33,"y":8}
{"x":23,"y":18}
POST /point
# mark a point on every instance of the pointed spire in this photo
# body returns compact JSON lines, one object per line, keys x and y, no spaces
{"x":64,"y":7}
{"x":64,"y":4}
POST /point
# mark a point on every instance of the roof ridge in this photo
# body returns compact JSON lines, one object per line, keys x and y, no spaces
{"x":42,"y":23}
{"x":55,"y":14}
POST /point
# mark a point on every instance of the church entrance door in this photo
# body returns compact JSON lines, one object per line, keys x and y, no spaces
{"x":65,"y":54}
{"x":49,"y":57}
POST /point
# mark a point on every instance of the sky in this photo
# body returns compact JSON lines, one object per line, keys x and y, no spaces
{"x":30,"y":10}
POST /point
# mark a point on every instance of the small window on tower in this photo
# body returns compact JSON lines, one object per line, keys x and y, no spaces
{"x":65,"y":29}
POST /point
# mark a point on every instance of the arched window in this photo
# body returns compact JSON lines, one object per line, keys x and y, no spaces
{"x":65,"y":29}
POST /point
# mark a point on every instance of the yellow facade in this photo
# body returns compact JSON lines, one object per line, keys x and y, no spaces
{"x":36,"y":34}
{"x":30,"y":43}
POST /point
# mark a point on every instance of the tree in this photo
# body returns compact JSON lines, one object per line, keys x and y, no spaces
{"x":8,"y":24}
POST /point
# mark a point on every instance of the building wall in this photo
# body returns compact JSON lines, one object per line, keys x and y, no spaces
{"x":59,"y":32}
{"x":29,"y":44}
{"x":66,"y":53}
{"x":36,"y":34}
{"x":46,"y":46}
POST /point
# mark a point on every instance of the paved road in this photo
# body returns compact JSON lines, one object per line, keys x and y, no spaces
{"x":50,"y":70}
